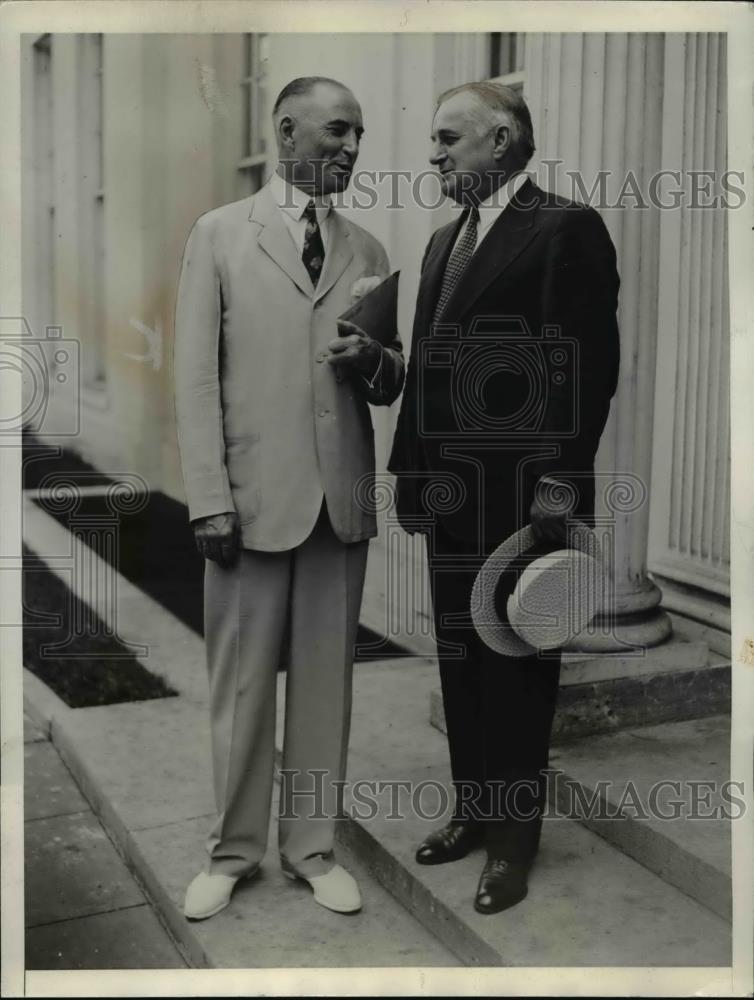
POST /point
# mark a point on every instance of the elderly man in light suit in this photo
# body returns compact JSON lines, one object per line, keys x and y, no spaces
{"x":275,"y":436}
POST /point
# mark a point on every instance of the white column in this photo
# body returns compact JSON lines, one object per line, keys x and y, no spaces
{"x":596,"y":100}
{"x":689,"y":530}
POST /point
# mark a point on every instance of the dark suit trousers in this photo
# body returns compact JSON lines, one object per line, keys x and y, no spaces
{"x":498,"y":711}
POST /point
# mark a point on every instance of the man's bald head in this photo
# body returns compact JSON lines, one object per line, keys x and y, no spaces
{"x":302,"y":86}
{"x":318,"y":128}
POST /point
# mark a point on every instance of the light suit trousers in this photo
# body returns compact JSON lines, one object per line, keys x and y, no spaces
{"x":308,"y":600}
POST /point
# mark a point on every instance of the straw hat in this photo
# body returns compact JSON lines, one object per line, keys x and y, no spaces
{"x":529,"y":597}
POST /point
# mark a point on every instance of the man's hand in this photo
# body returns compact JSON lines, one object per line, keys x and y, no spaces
{"x":219,"y":538}
{"x":355,"y":350}
{"x":553,"y":503}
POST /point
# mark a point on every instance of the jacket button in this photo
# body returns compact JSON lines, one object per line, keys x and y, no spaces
{"x":323,"y":413}
{"x":322,"y":356}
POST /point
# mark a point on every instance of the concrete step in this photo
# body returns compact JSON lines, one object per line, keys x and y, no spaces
{"x":83,"y":909}
{"x":605,"y":694}
{"x":145,"y":769}
{"x":274,"y":923}
{"x":147,"y":765}
{"x":691,"y":851}
{"x":589,"y":902}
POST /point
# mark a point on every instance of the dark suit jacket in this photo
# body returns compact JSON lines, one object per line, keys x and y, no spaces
{"x":517,"y":381}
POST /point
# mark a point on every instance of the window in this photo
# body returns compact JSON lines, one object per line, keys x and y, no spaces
{"x":255,"y":111}
{"x":44,"y":174}
{"x":92,"y":198}
{"x":507,"y":59}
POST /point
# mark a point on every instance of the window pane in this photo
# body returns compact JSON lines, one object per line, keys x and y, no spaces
{"x":520,"y":50}
{"x":44,"y":154}
{"x":261,"y":116}
{"x":247,"y":46}
{"x":92,"y":248}
{"x":98,"y":372}
{"x":255,"y":107}
{"x":506,"y":53}
{"x":264,"y":52}
{"x":99,"y":75}
{"x":246,"y":127}
{"x":252,"y":121}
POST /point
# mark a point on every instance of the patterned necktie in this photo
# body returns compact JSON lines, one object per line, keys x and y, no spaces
{"x":313,"y":254}
{"x":458,"y":261}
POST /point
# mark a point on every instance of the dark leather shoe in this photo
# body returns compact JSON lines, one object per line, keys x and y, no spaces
{"x":502,"y":884}
{"x":451,"y":843}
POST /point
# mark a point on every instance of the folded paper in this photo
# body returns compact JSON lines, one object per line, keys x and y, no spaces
{"x":376,"y":313}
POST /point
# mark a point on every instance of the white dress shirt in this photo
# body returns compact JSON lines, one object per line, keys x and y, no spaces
{"x":493,"y":207}
{"x":292,"y":202}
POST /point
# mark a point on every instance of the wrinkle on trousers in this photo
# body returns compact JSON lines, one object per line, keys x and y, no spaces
{"x":310,"y":595}
{"x":498,"y":711}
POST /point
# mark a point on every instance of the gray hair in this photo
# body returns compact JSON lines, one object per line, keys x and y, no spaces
{"x":304,"y":85}
{"x":496,"y":98}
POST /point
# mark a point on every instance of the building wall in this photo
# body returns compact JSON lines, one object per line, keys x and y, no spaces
{"x":690,"y":525}
{"x":172,"y":140}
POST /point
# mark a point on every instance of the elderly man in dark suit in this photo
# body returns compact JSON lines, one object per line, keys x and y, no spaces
{"x":514,"y":360}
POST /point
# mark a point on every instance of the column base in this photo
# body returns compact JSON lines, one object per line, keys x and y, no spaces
{"x":675,"y":655}
{"x":606,"y":692}
{"x":634,"y":622}
{"x":632,"y":634}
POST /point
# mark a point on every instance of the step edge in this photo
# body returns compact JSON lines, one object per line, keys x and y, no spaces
{"x":719,"y":901}
{"x":177,"y":927}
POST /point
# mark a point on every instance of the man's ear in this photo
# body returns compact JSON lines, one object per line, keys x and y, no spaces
{"x":502,"y":137}
{"x":286,"y":128}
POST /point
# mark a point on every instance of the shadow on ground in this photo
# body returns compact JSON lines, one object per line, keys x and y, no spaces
{"x":155,"y":546}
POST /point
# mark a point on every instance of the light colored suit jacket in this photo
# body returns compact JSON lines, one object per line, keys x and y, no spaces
{"x":265,"y":425}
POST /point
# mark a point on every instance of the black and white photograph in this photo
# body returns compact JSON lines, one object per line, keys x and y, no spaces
{"x":378,"y":534}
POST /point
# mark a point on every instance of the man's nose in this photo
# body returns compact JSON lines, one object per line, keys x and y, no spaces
{"x":438,"y":156}
{"x":351,"y":144}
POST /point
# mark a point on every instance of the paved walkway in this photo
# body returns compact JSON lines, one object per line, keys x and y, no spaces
{"x":596,"y":899}
{"x":84,"y":909}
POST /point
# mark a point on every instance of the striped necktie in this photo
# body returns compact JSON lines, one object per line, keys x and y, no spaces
{"x":458,"y":261}
{"x":313,"y":253}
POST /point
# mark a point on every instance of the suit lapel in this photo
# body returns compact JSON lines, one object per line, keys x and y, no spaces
{"x":276,"y":241}
{"x":338,"y":256}
{"x":512,"y":231}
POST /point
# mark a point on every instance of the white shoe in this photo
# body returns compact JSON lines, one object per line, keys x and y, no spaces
{"x":336,"y":889}
{"x":207,"y":895}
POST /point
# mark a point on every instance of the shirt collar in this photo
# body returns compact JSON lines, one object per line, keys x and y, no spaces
{"x":293,"y":200}
{"x":492,"y":207}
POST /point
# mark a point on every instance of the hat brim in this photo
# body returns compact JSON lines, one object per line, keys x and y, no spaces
{"x":500,"y":635}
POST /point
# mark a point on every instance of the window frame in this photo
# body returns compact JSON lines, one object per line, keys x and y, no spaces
{"x":516,"y":78}
{"x":92,"y":241}
{"x":254,"y":154}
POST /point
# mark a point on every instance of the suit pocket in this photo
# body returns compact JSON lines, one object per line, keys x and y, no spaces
{"x":242,"y":460}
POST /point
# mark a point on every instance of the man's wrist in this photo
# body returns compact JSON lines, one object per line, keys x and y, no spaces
{"x":370,"y":381}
